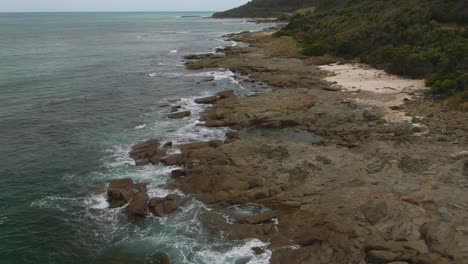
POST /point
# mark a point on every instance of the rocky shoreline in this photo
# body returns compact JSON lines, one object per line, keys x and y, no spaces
{"x":337,"y":181}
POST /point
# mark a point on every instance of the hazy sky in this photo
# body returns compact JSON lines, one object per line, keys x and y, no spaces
{"x":117,"y":5}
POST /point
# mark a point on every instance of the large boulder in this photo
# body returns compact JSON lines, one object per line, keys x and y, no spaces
{"x":147,"y":152}
{"x":174,"y":159}
{"x":123,"y":191}
{"x":162,"y":206}
{"x":138,"y":206}
{"x":120,"y":192}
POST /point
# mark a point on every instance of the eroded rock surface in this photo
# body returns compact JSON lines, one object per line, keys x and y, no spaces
{"x":147,"y":152}
{"x":124,"y":191}
{"x":372,"y":191}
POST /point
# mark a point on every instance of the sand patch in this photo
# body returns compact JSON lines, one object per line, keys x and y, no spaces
{"x":382,"y":89}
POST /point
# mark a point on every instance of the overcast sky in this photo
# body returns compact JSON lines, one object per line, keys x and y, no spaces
{"x":116,"y":5}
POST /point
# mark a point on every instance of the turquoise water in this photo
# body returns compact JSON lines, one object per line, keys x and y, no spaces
{"x":76,"y":91}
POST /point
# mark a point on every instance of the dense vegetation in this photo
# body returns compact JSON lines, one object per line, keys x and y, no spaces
{"x":264,"y":8}
{"x":416,"y":38}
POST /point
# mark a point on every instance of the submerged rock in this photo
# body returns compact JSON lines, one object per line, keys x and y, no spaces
{"x":175,"y":108}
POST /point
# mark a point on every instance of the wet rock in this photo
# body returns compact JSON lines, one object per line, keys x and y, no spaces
{"x":138,"y":206}
{"x":162,"y":206}
{"x":173,"y":197}
{"x":381,"y":256}
{"x":209,"y":79}
{"x":161,"y":258}
{"x":120,"y":192}
{"x":146,"y":152}
{"x":192,"y":57}
{"x":178,"y":173}
{"x":232,"y":135}
{"x":206,"y":100}
{"x":175,"y":108}
{"x":179,"y":115}
{"x":173,"y":160}
{"x":258,"y":250}
{"x":142,"y":162}
{"x":258,"y":219}
{"x":168,"y":144}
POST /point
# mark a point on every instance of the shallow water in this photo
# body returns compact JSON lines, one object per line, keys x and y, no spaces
{"x":77,"y":90}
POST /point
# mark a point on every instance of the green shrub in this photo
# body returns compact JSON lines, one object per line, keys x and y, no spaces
{"x":416,"y":38}
{"x":458,"y":101}
{"x":448,"y":84}
{"x":316,"y":49}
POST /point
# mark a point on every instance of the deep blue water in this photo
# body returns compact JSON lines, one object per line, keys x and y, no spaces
{"x":76,"y":91}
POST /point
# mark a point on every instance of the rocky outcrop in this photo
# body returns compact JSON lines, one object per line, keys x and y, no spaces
{"x":258,"y":219}
{"x":207,"y":100}
{"x":138,"y":206}
{"x":173,"y":160}
{"x":147,"y":152}
{"x":121,"y":191}
{"x":370,"y":192}
{"x":124,"y":191}
{"x":163,"y":206}
{"x":212,"y":99}
{"x":179,"y":115}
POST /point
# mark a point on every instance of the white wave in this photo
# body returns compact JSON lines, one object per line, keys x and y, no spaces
{"x":98,"y":201}
{"x":55,"y":202}
{"x":140,"y":126}
{"x":243,"y":251}
{"x":174,"y":51}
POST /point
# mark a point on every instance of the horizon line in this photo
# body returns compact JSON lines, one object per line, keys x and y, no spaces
{"x":187,"y":11}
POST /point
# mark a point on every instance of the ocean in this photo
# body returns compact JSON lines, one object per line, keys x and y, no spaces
{"x":77,"y":90}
